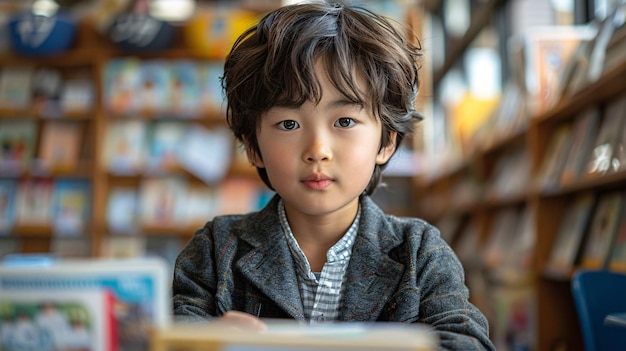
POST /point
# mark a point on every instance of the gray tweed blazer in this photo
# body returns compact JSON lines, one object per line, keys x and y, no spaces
{"x":400,"y":270}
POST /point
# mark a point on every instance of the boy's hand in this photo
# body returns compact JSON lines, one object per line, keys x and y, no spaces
{"x":243,"y":319}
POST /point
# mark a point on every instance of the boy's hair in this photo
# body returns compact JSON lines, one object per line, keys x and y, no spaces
{"x":272,"y":64}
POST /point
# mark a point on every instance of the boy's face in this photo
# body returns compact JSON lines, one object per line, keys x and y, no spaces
{"x":320,"y":158}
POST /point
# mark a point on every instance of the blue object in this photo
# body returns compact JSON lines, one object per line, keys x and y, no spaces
{"x":598,"y":294}
{"x":34,"y":34}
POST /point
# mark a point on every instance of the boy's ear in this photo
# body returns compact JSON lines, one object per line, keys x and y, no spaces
{"x":387,"y":151}
{"x":253,"y":156}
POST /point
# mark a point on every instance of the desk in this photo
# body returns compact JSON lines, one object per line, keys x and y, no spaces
{"x":342,"y":336}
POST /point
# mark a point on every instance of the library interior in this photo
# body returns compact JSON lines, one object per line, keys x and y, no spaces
{"x":116,"y":150}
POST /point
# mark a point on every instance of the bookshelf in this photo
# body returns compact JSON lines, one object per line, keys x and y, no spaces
{"x":461,"y":199}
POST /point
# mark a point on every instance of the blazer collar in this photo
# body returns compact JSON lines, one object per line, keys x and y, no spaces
{"x":372,"y":276}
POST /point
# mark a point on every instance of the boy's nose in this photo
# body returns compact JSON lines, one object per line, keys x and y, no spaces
{"x":317,"y":149}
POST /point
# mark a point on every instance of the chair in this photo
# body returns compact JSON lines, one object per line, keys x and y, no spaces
{"x":596,"y":295}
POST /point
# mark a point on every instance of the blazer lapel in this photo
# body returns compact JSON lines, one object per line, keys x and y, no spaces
{"x":372,"y":276}
{"x":269,"y":265}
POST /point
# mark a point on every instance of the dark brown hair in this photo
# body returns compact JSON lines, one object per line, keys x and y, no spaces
{"x":272,"y":64}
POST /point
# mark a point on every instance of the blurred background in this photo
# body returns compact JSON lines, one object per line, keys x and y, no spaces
{"x":115,"y":144}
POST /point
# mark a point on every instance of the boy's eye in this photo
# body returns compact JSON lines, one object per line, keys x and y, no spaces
{"x":288,"y":125}
{"x":344,"y":122}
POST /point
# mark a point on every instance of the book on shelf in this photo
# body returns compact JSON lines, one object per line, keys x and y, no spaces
{"x":121,"y":82}
{"x":78,"y":95}
{"x":164,"y":139}
{"x":140,"y":289}
{"x":16,"y":87}
{"x":568,"y":240}
{"x":46,"y":87}
{"x":212,"y":96}
{"x":616,"y":46}
{"x":602,"y":158}
{"x":8,"y":194}
{"x":123,"y":210}
{"x":71,"y":206}
{"x":125,"y":146}
{"x":603,"y":230}
{"x":17,"y":139}
{"x":500,"y":236}
{"x":510,"y":175}
{"x":43,"y":317}
{"x":123,"y":247}
{"x":584,"y":134}
{"x":163,"y":202}
{"x":554,"y":158}
{"x":206,"y":153}
{"x":60,"y":145}
{"x":154,"y":88}
{"x":34,"y":200}
{"x":617,"y":258}
{"x":202,"y":205}
{"x":620,"y":147}
{"x":185,"y":98}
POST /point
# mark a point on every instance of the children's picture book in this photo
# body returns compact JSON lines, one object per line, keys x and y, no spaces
{"x":572,"y":228}
{"x":47,"y":318}
{"x":155,"y":81}
{"x":34,"y":201}
{"x":71,"y":207}
{"x":122,"y":80}
{"x":16,"y":89}
{"x":163,"y":202}
{"x":165,"y":138}
{"x":602,"y":158}
{"x":584,"y":133}
{"x":603,"y":230}
{"x":60,"y":145}
{"x":207,"y":153}
{"x":123,"y":210}
{"x":78,"y":95}
{"x":617,"y":260}
{"x":212,"y":96}
{"x":554,"y":158}
{"x":125,"y":146}
{"x":8,"y":194}
{"x":17,"y":140}
{"x":184,"y":98}
{"x":140,"y":289}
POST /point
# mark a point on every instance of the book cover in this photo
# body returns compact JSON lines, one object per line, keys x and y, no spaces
{"x":140,"y":287}
{"x":16,"y":87}
{"x":155,"y":81}
{"x":48,"y":318}
{"x":185,"y":99}
{"x":617,"y":260}
{"x":555,"y":157}
{"x":34,"y":202}
{"x":212,"y":97}
{"x":572,"y":228}
{"x":71,"y":207}
{"x":602,"y":158}
{"x":123,"y":210}
{"x":164,"y":140}
{"x":602,"y":231}
{"x":584,"y":133}
{"x":121,"y":81}
{"x":125,"y":146}
{"x":8,"y":194}
{"x":17,"y":140}
{"x":163,"y":202}
{"x":60,"y":145}
{"x":207,"y":153}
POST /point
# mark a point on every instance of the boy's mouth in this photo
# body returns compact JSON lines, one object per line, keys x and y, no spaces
{"x":317,"y":182}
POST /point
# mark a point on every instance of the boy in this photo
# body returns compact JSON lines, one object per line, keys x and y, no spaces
{"x":321,"y":96}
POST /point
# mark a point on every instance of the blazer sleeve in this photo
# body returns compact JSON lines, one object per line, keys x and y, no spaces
{"x":445,"y":302}
{"x":195,"y":282}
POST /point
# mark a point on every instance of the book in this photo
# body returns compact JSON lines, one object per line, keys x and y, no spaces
{"x":616,"y":46}
{"x":554,"y":158}
{"x":17,"y":140}
{"x":34,"y":202}
{"x":185,"y":99}
{"x":16,"y":87}
{"x":155,"y":81}
{"x":123,"y":247}
{"x":212,"y":97}
{"x":121,"y":82}
{"x":123,"y":210}
{"x":163,"y":202}
{"x":617,"y":260}
{"x":206,"y":153}
{"x":60,"y":145}
{"x":584,"y":133}
{"x":165,"y":138}
{"x":567,"y":243}
{"x":71,"y":207}
{"x":49,"y":319}
{"x":8,"y":196}
{"x":602,"y":158}
{"x":602,"y":231}
{"x":620,"y":147}
{"x":125,"y":146}
{"x":140,"y":288}
{"x":295,"y":336}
